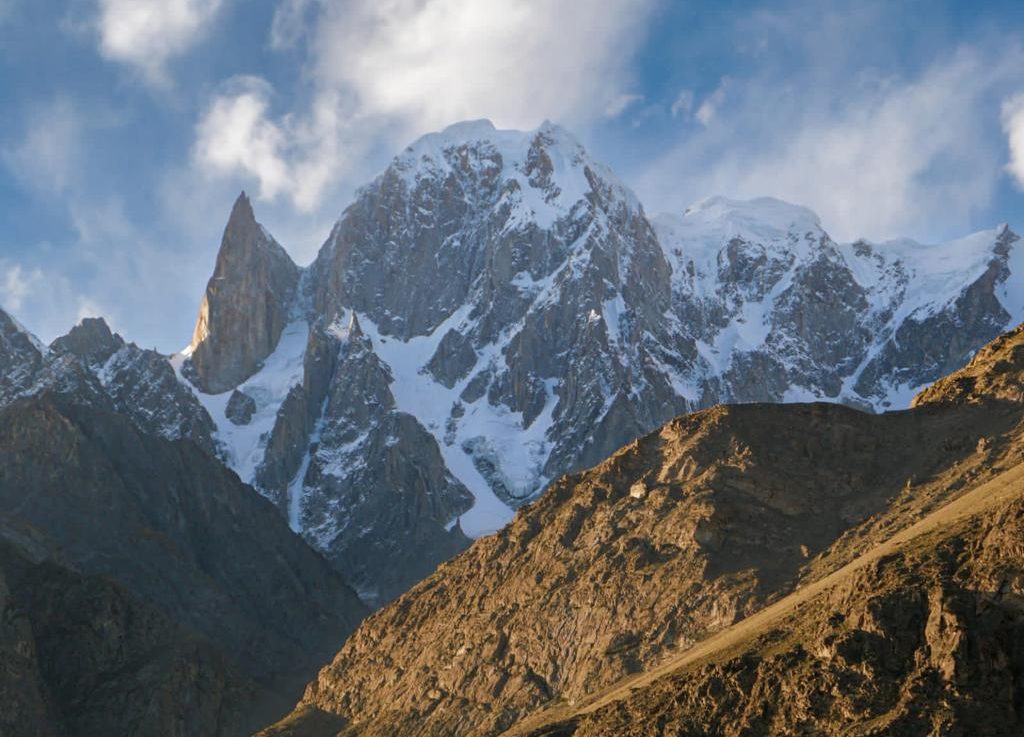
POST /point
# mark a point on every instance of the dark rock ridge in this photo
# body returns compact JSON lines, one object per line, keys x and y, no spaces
{"x":175,"y":530}
{"x":697,"y":527}
{"x":92,"y":366}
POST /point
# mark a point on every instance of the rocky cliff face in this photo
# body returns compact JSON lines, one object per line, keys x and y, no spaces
{"x":693,"y":530}
{"x":247,"y":304}
{"x":176,"y":530}
{"x":93,"y":366}
{"x":781,"y":312}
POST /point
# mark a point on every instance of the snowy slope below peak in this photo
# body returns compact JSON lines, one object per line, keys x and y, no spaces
{"x":522,"y":452}
{"x":244,"y":445}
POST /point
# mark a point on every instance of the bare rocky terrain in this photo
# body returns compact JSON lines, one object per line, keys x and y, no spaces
{"x":756,"y":569}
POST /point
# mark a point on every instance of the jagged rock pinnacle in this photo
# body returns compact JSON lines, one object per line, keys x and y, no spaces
{"x":246,"y":304}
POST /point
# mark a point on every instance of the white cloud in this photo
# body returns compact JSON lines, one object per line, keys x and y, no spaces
{"x":297,"y":156}
{"x":1013,"y":126}
{"x":879,"y":157}
{"x":385,"y":71}
{"x":440,"y":61}
{"x":146,"y":34}
{"x":237,"y":134}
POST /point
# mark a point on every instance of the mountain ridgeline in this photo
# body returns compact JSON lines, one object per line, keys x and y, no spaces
{"x":495,"y":310}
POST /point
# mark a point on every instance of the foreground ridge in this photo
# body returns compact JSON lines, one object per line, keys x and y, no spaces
{"x":1004,"y":492}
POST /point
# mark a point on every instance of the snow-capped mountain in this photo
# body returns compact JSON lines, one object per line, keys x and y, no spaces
{"x":96,"y":367}
{"x":780,"y":312}
{"x":496,"y":309}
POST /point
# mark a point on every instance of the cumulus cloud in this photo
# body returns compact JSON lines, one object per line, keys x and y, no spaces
{"x":146,"y":34}
{"x":236,"y":133}
{"x":1013,"y":126}
{"x":438,"y":61}
{"x":293,"y":155}
{"x":395,"y":69}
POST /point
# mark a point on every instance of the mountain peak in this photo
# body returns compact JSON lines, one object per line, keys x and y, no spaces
{"x":246,"y":305}
{"x":241,"y":211}
{"x":90,"y":339}
{"x":762,"y":211}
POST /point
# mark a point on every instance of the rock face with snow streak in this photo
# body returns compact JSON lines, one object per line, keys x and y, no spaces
{"x":518,"y":267}
{"x":782,"y":312}
{"x":21,"y":358}
{"x":246,"y":306}
{"x":95,"y":367}
{"x":496,"y":309}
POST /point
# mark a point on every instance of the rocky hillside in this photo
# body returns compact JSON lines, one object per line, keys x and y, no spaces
{"x":714,"y":520}
{"x":924,"y":640}
{"x":184,"y":544}
{"x":496,"y":309}
{"x":79,"y":655}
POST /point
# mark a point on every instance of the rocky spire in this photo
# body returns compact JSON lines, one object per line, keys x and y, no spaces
{"x":246,"y":305}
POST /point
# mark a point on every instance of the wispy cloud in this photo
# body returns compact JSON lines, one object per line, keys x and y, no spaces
{"x":618,"y":104}
{"x":683,"y":104}
{"x":146,"y":34}
{"x":49,"y":298}
{"x":876,"y":155}
{"x":48,"y":153}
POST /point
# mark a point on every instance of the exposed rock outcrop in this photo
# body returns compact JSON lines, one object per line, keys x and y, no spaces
{"x":247,"y":304}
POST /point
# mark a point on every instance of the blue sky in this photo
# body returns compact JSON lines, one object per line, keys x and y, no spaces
{"x":129,"y":126}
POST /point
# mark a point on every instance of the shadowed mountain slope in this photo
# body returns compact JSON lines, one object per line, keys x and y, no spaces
{"x":178,"y":532}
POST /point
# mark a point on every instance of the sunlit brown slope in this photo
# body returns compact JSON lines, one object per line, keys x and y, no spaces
{"x":675,"y":538}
